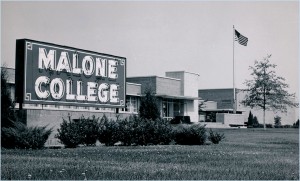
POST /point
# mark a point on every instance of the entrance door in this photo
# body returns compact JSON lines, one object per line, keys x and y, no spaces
{"x":172,"y":108}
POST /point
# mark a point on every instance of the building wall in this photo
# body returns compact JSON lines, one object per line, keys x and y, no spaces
{"x":189,"y":87}
{"x":144,"y":81}
{"x":180,"y":76}
{"x":168,"y":86}
{"x":230,"y":119}
{"x":189,"y":82}
{"x":224,"y":96}
{"x":192,"y":110}
{"x":133,"y":89}
{"x":161,"y":85}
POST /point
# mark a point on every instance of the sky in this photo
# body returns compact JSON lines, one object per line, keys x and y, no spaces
{"x":157,"y":36}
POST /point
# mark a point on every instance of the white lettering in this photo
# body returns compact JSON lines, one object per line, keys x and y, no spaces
{"x":76,"y":70}
{"x":38,"y":87}
{"x":91,"y":90}
{"x":46,"y":60}
{"x":114,"y":93}
{"x":88,"y":65}
{"x":64,"y":62}
{"x":69,"y":95}
{"x":103,"y":92}
{"x":79,"y":96}
{"x":57,"y":88}
{"x":112,"y":69}
{"x":101,"y":67}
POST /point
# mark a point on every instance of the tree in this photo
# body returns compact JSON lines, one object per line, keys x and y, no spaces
{"x":250,"y":119}
{"x":267,"y":90}
{"x":7,"y":105}
{"x":201,"y":105}
{"x":296,"y":124}
{"x":149,"y":108}
{"x":277,"y":122}
{"x":255,"y":122}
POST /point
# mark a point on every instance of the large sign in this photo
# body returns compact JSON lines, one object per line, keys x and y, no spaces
{"x":53,"y":74}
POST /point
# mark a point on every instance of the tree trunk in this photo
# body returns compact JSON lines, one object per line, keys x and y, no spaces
{"x":264,"y":119}
{"x":264,"y":89}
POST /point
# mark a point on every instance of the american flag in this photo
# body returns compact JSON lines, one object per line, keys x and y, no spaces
{"x":240,"y":38}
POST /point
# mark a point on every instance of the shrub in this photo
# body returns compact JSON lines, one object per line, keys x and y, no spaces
{"x":78,"y":131}
{"x":190,"y":134}
{"x":127,"y":130}
{"x":90,"y":128}
{"x":215,"y":138}
{"x":277,"y":122}
{"x":70,"y":133}
{"x":163,"y":132}
{"x":20,"y":136}
{"x":296,"y":124}
{"x":108,"y":131}
{"x":155,"y":132}
{"x":135,"y":131}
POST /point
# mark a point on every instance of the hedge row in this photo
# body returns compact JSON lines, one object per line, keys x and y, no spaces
{"x":130,"y":131}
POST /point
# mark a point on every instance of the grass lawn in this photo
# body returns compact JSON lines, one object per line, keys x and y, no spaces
{"x":246,"y":154}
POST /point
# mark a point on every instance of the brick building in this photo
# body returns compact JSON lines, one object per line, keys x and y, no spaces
{"x":223,"y":99}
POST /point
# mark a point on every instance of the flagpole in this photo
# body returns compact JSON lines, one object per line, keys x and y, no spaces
{"x":234,"y":99}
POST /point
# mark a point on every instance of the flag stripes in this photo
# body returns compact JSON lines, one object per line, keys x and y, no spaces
{"x":240,"y":38}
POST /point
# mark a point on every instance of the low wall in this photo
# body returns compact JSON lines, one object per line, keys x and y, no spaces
{"x":230,"y":119}
{"x":53,"y":119}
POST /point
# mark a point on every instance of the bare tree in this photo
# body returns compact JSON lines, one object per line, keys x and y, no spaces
{"x":267,"y":90}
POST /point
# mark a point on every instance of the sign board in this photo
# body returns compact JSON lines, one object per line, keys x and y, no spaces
{"x":53,"y":74}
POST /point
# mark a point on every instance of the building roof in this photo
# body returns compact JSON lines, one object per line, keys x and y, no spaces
{"x":219,"y":89}
{"x":177,"y":97}
{"x":153,"y":76}
{"x":183,"y":72}
{"x":221,"y":110}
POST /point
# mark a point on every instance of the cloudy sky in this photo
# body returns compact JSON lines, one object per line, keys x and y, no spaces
{"x":156,"y":37}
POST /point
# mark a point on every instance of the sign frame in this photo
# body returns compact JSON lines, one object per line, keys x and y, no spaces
{"x":27,"y":71}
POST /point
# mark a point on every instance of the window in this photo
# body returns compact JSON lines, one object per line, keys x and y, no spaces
{"x":227,"y":101}
{"x":131,"y":105}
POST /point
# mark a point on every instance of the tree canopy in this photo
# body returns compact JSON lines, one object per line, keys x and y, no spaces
{"x":7,"y":105}
{"x":267,"y":90}
{"x":149,"y":107}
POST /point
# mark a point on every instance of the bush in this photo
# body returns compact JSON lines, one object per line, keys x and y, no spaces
{"x":69,"y":133}
{"x":135,"y":131}
{"x":215,"y":138}
{"x":108,"y":131}
{"x":78,"y":131}
{"x":20,"y":136}
{"x":190,"y":134}
{"x":155,"y":132}
{"x":90,"y":128}
{"x":127,"y":130}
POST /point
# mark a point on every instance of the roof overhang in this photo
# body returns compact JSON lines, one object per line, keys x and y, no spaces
{"x":220,"y":110}
{"x":177,"y":97}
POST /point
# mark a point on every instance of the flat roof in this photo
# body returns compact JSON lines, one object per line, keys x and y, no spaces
{"x":150,"y":76}
{"x":177,"y":97}
{"x":216,"y":110}
{"x":218,"y":89}
{"x":130,"y":83}
{"x":183,"y":72}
